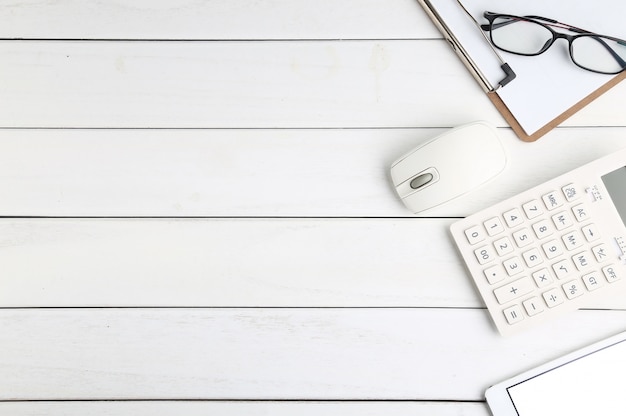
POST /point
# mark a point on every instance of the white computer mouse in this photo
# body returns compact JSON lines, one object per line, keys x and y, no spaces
{"x":448,"y":166}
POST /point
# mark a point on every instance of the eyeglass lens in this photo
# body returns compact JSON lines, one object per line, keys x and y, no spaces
{"x":526,"y":37}
{"x":599,"y":54}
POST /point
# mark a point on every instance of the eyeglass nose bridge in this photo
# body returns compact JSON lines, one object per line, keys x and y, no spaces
{"x":555,"y":36}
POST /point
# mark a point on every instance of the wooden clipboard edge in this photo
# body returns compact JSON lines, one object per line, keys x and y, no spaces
{"x":495,"y":98}
{"x":519,"y":131}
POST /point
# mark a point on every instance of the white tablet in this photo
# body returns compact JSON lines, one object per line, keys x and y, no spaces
{"x":587,"y":382}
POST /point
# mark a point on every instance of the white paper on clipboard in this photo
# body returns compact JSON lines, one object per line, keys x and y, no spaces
{"x":547,"y":85}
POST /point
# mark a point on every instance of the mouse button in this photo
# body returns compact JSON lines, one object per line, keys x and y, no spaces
{"x":475,"y":155}
{"x":418,"y":182}
{"x":421,"y":180}
{"x":479,"y":159}
{"x":427,"y":197}
{"x":405,"y":168}
{"x":414,"y":162}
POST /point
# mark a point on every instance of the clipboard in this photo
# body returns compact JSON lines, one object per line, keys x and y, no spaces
{"x":475,"y":51}
{"x":521,"y":133}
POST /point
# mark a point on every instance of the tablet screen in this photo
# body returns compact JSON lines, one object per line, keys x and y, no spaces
{"x":593,"y":384}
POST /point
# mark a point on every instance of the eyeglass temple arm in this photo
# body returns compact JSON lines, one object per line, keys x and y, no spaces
{"x":575,"y":29}
{"x":552,"y":22}
{"x":488,"y":26}
{"x":614,"y":54}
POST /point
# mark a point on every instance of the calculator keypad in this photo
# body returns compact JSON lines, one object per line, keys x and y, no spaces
{"x":537,"y":256}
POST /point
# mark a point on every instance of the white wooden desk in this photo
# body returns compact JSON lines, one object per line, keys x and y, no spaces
{"x":197,"y":216}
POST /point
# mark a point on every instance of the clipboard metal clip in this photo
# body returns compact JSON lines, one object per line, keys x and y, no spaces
{"x":510,"y":75}
{"x":508,"y":71}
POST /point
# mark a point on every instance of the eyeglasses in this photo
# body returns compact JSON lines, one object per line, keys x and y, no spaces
{"x":533,"y":35}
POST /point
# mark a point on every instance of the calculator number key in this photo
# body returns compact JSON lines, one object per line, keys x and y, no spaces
{"x":552,"y":249}
{"x":543,"y":229}
{"x":485,"y":254}
{"x":532,"y":258}
{"x":475,"y":234}
{"x":513,"y":266}
{"x":503,"y":246}
{"x":523,"y":237}
{"x":532,"y":209}
{"x":513,"y":218}
{"x":494,"y":226}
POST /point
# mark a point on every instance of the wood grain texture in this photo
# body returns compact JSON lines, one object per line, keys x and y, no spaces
{"x":243,"y":251}
{"x":233,"y":84}
{"x":247,"y":408}
{"x":254,"y":173}
{"x":319,"y":84}
{"x":280,"y":262}
{"x":216,"y":19}
{"x":275,"y":354}
{"x":235,"y":263}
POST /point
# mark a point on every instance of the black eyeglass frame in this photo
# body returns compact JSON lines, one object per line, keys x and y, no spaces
{"x":491,"y":16}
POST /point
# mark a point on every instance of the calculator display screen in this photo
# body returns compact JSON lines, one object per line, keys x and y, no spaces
{"x":615,"y":183}
{"x":589,"y":385}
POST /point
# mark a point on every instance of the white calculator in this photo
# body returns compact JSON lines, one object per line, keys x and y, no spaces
{"x":550,"y":249}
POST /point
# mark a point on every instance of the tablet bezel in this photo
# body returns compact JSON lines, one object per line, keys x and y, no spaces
{"x":497,"y":396}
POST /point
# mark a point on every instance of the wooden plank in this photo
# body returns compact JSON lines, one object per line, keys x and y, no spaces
{"x":247,"y":408}
{"x":226,"y":263}
{"x":405,"y":83}
{"x":235,"y":84}
{"x":247,"y":173}
{"x":234,"y":262}
{"x":259,"y":354}
{"x":221,"y":19}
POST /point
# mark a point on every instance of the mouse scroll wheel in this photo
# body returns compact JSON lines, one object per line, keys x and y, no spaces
{"x":421,"y":180}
